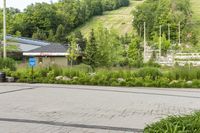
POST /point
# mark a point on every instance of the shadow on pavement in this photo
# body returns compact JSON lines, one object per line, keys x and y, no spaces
{"x":116,"y":91}
{"x":73,"y":125}
{"x":25,"y":89}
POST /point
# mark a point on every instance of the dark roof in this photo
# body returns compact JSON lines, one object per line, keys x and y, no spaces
{"x":53,"y":48}
{"x":27,"y":41}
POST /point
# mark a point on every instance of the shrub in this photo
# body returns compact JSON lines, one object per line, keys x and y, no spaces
{"x":73,"y":72}
{"x":196,"y":83}
{"x":151,"y":72}
{"x":152,"y":64}
{"x":7,"y":63}
{"x":162,"y":82}
{"x":139,"y":82}
{"x":115,"y":83}
{"x":22,"y":75}
{"x":7,"y":71}
{"x":84,"y":68}
{"x":183,"y":73}
{"x":176,"y":124}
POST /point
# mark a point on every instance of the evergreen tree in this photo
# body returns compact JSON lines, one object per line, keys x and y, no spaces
{"x":134,"y":54}
{"x":91,"y":51}
{"x":40,"y":35}
{"x":51,"y":36}
{"x":60,"y":34}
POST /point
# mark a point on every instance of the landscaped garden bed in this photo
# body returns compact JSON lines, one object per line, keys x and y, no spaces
{"x":177,"y":77}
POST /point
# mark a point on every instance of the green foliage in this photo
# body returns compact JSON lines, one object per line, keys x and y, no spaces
{"x":51,"y":36}
{"x":10,"y":15}
{"x":73,"y":50}
{"x":103,"y":48}
{"x":165,"y":45}
{"x":134,"y":54}
{"x":39,"y":34}
{"x":164,"y":12}
{"x":40,"y":16}
{"x":84,"y":75}
{"x":151,"y":63}
{"x":114,"y":4}
{"x":80,"y":40}
{"x":18,"y":34}
{"x":184,"y":73}
{"x":7,"y":63}
{"x":91,"y":51}
{"x":151,"y":72}
{"x":109,"y":47}
{"x":176,"y":124}
{"x":53,"y":22}
{"x":60,"y":34}
{"x":119,"y":20}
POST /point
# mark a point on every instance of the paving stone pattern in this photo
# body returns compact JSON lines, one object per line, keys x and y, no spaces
{"x":39,"y":108}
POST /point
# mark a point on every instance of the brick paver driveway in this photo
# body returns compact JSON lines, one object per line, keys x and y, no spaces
{"x":36,"y":108}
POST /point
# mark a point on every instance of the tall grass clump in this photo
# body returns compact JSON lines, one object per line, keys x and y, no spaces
{"x":176,"y":124}
{"x":183,"y":73}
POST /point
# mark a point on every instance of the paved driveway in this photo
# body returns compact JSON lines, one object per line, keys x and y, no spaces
{"x":36,"y":108}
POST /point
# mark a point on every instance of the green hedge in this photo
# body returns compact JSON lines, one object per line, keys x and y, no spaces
{"x":176,"y":124}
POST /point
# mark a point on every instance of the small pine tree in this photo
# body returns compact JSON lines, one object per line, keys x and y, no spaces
{"x":51,"y":36}
{"x":39,"y":34}
{"x":134,"y":54}
{"x":91,"y":51}
{"x":60,"y":34}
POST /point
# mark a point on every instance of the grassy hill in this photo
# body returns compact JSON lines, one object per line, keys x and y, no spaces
{"x":120,"y":20}
{"x":196,"y":9}
{"x":196,"y":14}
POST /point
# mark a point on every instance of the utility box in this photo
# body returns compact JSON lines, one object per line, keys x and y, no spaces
{"x":2,"y":77}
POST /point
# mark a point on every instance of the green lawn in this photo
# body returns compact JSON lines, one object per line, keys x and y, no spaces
{"x":196,"y":9}
{"x":196,"y":14}
{"x":120,"y":20}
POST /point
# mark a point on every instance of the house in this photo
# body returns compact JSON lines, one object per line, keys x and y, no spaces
{"x":25,"y":44}
{"x":49,"y":55}
{"x":17,"y":45}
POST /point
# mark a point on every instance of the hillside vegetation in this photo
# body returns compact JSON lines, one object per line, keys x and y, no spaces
{"x":120,"y":20}
{"x":53,"y":22}
{"x":196,"y":14}
{"x":196,"y":10}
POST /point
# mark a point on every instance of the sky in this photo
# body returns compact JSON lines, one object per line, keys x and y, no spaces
{"x":21,"y":4}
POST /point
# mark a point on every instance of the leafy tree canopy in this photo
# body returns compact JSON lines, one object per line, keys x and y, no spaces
{"x":165,"y":12}
{"x":53,"y":22}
